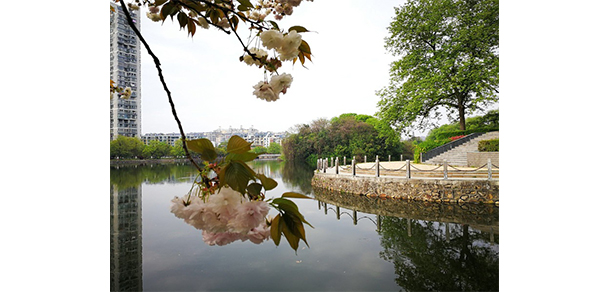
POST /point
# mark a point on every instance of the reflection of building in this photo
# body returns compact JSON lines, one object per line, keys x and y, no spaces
{"x":125,"y":118}
{"x":125,"y":239}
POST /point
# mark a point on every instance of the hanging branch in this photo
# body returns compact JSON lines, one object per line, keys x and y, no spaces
{"x":169,"y":95}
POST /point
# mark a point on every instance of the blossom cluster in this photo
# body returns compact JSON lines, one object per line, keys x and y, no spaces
{"x":456,"y":137}
{"x":270,"y":91}
{"x":224,"y":217}
{"x":286,"y":45}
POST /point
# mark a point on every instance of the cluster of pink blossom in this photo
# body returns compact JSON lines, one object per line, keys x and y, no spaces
{"x":282,"y":7}
{"x":270,"y":91}
{"x":225,"y":217}
{"x":286,"y":45}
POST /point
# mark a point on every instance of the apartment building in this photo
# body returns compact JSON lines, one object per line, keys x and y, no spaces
{"x":125,"y":114}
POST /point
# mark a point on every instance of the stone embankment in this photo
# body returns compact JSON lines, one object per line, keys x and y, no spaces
{"x":418,"y":189}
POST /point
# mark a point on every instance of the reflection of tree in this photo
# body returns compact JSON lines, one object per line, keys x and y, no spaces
{"x":426,"y":259}
{"x":298,"y":174}
{"x":134,"y":176}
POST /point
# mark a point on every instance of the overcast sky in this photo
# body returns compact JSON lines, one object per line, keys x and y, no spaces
{"x":212,"y":89}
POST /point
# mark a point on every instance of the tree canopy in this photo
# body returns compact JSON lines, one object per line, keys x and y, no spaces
{"x":449,"y":59}
{"x":346,"y":135}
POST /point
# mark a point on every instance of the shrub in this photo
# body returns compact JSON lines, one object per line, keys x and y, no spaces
{"x":492,"y":145}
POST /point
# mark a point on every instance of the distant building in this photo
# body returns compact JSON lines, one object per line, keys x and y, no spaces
{"x":125,"y":117}
{"x":219,"y":136}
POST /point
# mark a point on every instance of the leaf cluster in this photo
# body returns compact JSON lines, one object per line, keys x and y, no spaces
{"x":234,"y":172}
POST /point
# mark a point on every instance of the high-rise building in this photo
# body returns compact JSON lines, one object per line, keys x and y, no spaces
{"x":125,"y":117}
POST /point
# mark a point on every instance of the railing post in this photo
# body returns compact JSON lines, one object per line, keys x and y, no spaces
{"x":445,"y":168}
{"x":377,"y":166}
{"x":408,"y":168}
{"x":489,"y":168}
{"x":389,"y":157}
{"x":400,"y":157}
{"x":324,"y":164}
{"x":354,"y":166}
{"x":337,"y":165}
{"x":344,"y":161}
{"x":364,"y":158}
{"x":355,"y":217}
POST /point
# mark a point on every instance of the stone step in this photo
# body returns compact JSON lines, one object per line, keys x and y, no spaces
{"x":458,"y":155}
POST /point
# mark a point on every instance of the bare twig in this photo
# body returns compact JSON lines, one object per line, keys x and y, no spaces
{"x":169,"y":95}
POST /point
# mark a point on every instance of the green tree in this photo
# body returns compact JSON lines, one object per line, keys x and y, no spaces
{"x":259,"y":149}
{"x":274,"y":148}
{"x":346,"y":135}
{"x":126,"y":147}
{"x":156,"y":149}
{"x":449,"y":59}
{"x":177,"y":150}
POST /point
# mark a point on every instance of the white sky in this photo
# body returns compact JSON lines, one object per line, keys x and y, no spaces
{"x":212,"y":89}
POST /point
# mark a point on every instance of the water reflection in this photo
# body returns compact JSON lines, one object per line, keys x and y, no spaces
{"x":432,"y":256}
{"x":385,"y":244}
{"x":125,"y":238}
{"x":434,"y":247}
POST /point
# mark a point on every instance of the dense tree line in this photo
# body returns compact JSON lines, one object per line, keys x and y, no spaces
{"x":132,"y":148}
{"x":347,"y":135}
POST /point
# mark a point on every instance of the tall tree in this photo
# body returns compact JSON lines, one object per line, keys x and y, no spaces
{"x":449,"y":59}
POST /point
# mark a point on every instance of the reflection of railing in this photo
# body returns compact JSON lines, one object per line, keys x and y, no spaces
{"x":488,"y":171}
{"x":482,"y":216}
{"x":354,"y":214}
{"x":379,"y":218}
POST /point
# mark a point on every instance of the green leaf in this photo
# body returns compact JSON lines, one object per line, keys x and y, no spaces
{"x":304,"y":47}
{"x":204,"y":147}
{"x":182,"y":19}
{"x":236,"y":175}
{"x":290,"y":208}
{"x":268,"y":183}
{"x":292,"y":239}
{"x":245,"y":3}
{"x":254,"y":189}
{"x":159,"y":2}
{"x":298,"y":28}
{"x":276,"y":229}
{"x":245,"y":157}
{"x":296,"y":227}
{"x":294,"y":195}
{"x":238,"y":145}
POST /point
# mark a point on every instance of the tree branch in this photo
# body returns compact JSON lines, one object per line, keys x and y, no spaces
{"x":169,"y":95}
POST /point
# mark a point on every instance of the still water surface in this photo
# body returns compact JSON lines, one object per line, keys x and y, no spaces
{"x":358,"y":244}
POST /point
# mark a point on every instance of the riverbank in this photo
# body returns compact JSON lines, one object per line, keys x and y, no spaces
{"x":417,"y":189}
{"x":114,"y":162}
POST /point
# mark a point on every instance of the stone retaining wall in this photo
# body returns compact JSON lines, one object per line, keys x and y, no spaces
{"x":427,"y":190}
{"x":476,"y":159}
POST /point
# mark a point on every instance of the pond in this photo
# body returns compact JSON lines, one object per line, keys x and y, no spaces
{"x":357,"y":243}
